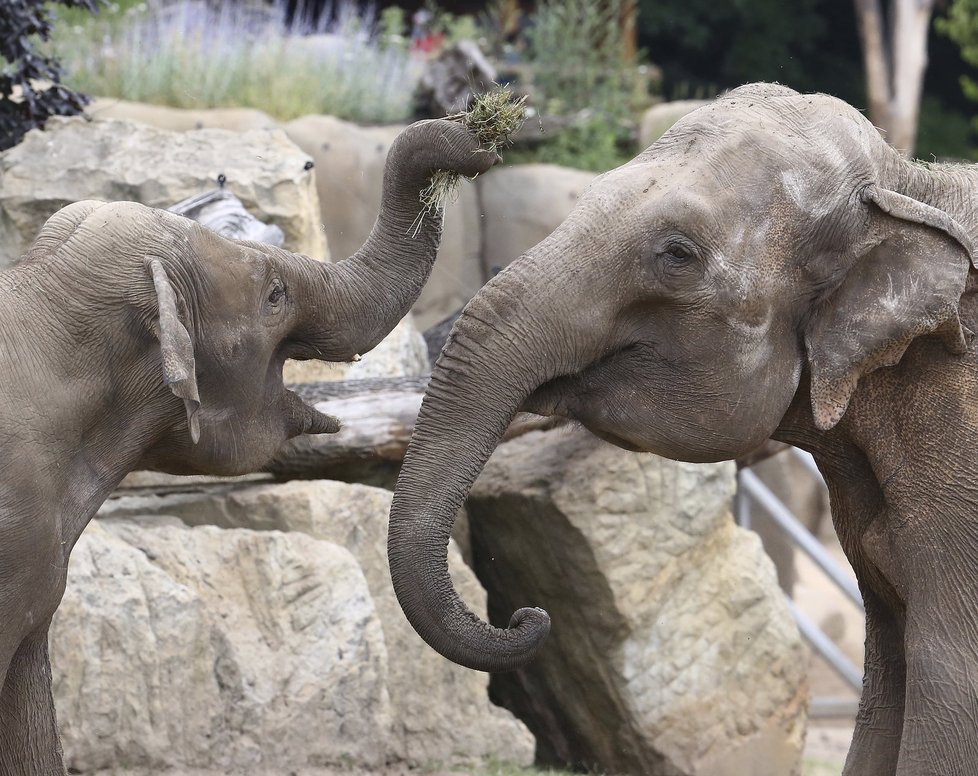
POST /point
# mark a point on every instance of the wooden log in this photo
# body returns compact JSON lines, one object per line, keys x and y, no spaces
{"x":377,"y":418}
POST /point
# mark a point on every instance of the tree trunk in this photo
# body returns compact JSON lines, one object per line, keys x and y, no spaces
{"x":894,"y":47}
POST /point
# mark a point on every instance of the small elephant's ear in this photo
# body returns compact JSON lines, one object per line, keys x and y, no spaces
{"x":906,"y":281}
{"x":177,"y":349}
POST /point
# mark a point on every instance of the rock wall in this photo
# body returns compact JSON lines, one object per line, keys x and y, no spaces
{"x":217,"y":650}
{"x":74,"y":159}
{"x":672,"y":650}
{"x":414,"y":707}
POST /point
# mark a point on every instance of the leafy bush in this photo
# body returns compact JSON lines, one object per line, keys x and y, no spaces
{"x":576,"y":52}
{"x":190,"y":55}
{"x":961,"y":26}
{"x":30,"y":88}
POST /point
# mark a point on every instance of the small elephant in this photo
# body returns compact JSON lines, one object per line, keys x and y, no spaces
{"x":135,"y":338}
{"x":768,"y":268}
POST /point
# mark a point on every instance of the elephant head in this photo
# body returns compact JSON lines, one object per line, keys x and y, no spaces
{"x":769,"y":240}
{"x":222,"y":315}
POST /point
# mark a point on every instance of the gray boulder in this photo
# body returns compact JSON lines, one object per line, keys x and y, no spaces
{"x":523,"y":204}
{"x":656,"y":120}
{"x":672,"y":650}
{"x":74,"y":159}
{"x":402,"y":353}
{"x":441,"y":712}
{"x":217,"y":650}
{"x":180,"y":119}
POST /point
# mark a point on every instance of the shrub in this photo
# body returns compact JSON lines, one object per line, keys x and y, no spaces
{"x":190,"y":55}
{"x":576,"y":51}
{"x":30,"y":82}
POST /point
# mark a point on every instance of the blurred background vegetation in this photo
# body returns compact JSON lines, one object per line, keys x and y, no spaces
{"x":594,"y":65}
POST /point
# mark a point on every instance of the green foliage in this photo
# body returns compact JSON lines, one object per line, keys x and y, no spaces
{"x":576,"y":51}
{"x":592,"y":144}
{"x":942,"y":134}
{"x":393,"y":23}
{"x":961,"y":26}
{"x":454,"y":27}
{"x":194,"y":59}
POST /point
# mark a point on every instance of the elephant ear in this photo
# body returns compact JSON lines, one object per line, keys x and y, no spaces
{"x":177,"y":349}
{"x":906,"y":281}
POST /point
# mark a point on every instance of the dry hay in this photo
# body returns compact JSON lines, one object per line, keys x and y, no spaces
{"x":493,"y":117}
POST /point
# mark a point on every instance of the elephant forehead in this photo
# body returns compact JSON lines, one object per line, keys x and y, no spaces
{"x":231,"y":275}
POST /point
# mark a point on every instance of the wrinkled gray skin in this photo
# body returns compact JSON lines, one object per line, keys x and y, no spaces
{"x":747,"y":277}
{"x":135,"y":338}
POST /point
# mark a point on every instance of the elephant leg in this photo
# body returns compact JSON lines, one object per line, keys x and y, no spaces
{"x":29,"y":740}
{"x":940,"y":731}
{"x":875,"y":745}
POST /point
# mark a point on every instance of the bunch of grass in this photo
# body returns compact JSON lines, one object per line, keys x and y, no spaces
{"x":492,"y":119}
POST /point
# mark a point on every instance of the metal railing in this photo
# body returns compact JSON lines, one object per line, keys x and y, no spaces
{"x":751,"y":492}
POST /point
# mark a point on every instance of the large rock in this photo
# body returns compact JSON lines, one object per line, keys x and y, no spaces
{"x":672,"y":650}
{"x":523,"y":204}
{"x":441,"y":712}
{"x":349,"y":173}
{"x":180,"y":119}
{"x":402,"y":353}
{"x":217,"y":650}
{"x":74,"y":159}
{"x":656,"y":120}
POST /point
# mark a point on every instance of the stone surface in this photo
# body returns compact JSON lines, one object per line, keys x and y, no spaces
{"x":402,"y":353}
{"x":672,"y":651}
{"x":657,"y":119}
{"x":349,"y":175}
{"x":211,"y":649}
{"x":180,"y":119}
{"x":441,"y":712}
{"x":523,"y":204}
{"x":73,"y":159}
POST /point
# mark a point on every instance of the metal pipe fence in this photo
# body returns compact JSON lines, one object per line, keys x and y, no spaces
{"x":753,"y":493}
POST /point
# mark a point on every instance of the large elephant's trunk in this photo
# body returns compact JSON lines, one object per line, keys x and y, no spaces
{"x":376,"y":287}
{"x":494,"y":359}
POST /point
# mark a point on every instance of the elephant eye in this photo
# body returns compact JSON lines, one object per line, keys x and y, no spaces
{"x":277,"y":294}
{"x":678,"y":253}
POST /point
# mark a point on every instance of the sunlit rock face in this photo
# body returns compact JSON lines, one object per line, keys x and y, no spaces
{"x":672,"y":650}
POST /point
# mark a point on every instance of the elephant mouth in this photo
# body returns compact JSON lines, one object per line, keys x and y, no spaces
{"x":588,"y":396}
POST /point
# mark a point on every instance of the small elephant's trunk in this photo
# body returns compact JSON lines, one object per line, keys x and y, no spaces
{"x":375,"y":288}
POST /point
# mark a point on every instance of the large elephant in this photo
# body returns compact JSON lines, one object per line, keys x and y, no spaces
{"x":135,"y":338}
{"x":768,"y":268}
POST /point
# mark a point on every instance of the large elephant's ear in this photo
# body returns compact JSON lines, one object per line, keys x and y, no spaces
{"x":906,"y":281}
{"x":177,"y":348}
